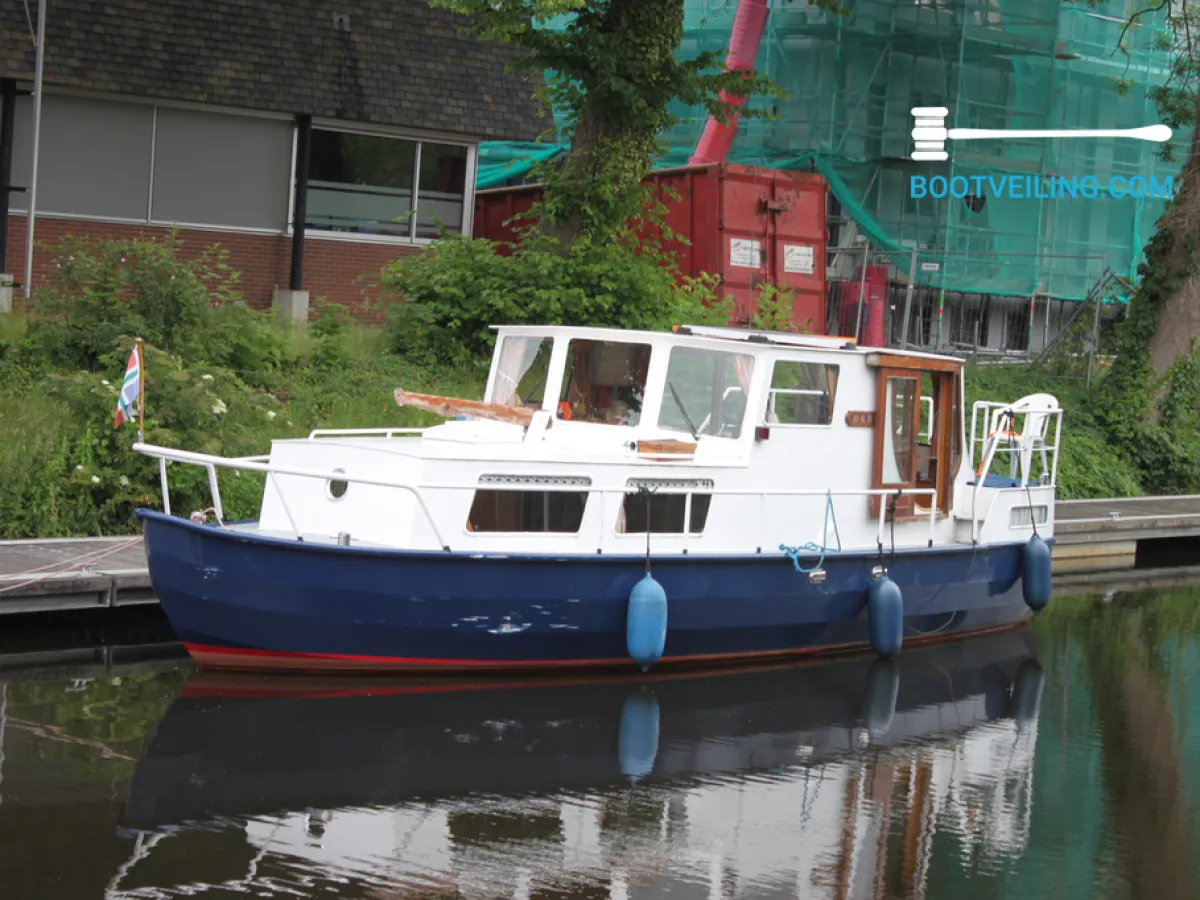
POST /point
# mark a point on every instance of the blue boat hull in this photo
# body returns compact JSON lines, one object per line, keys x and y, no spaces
{"x":239,"y":600}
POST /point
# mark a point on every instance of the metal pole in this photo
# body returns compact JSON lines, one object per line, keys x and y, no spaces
{"x":912,"y":274}
{"x":8,"y":109}
{"x":1094,"y":343}
{"x":1046,"y":326}
{"x":31,"y":215}
{"x":300,"y":204}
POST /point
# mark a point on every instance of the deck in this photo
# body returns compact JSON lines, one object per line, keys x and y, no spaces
{"x":1133,"y":542}
{"x":73,"y":573}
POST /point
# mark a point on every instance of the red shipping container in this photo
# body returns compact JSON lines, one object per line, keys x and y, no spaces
{"x":751,"y":226}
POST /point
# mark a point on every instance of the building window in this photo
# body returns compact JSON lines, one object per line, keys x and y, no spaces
{"x":558,"y":512}
{"x":94,"y":157}
{"x":705,"y":393}
{"x":605,"y":382}
{"x":802,"y":393}
{"x":221,"y":169}
{"x":364,"y":184}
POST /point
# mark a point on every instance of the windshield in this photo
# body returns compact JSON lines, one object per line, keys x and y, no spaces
{"x":705,"y":393}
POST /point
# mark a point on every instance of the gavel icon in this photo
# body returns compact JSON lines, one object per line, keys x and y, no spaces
{"x":930,"y":133}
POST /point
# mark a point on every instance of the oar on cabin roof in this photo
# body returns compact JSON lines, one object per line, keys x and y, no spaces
{"x":472,"y":409}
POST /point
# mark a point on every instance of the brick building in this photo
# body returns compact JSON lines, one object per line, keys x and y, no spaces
{"x":234,"y":118}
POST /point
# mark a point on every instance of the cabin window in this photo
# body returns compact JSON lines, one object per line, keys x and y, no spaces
{"x":802,"y":393}
{"x":705,"y":393}
{"x":664,"y":513}
{"x":1024,"y":516}
{"x":605,"y":382}
{"x":559,"y":512}
{"x":521,"y":371}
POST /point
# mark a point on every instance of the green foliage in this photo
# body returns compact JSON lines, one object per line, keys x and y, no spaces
{"x":774,"y":311}
{"x":226,"y":379}
{"x":446,"y":298}
{"x":106,"y":290}
{"x":611,"y":69}
{"x":1089,"y":464}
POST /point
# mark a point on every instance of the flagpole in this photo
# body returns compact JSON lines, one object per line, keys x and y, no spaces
{"x":141,"y":390}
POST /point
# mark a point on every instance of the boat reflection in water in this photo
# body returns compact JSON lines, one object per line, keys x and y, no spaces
{"x":782,"y":781}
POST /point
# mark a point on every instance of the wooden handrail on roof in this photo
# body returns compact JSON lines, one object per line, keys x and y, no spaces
{"x":456,"y":406}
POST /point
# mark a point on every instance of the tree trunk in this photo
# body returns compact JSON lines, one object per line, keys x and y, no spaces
{"x":612,"y":148}
{"x":1178,"y":321}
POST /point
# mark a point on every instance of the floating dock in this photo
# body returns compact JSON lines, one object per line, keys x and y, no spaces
{"x":1135,"y":542}
{"x":73,"y":573}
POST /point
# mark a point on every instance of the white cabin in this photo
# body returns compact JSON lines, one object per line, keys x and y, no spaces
{"x":750,"y":440}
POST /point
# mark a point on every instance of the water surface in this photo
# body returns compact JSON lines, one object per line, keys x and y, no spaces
{"x":1060,"y":761}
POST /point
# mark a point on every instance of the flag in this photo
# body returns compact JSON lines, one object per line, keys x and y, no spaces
{"x":129,"y":390}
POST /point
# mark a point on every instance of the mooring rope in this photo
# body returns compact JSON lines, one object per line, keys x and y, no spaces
{"x":66,"y":566}
{"x":811,"y":547}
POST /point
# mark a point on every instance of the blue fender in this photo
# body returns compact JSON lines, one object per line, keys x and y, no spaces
{"x":646,"y":622}
{"x":637,"y":743}
{"x":1035,"y":574}
{"x":885,"y":617}
{"x":1026,"y":700}
{"x":879,"y":697}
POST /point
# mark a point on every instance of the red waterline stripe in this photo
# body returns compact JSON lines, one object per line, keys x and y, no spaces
{"x":231,"y":658}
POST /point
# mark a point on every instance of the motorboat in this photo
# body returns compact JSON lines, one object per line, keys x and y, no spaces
{"x":628,"y":499}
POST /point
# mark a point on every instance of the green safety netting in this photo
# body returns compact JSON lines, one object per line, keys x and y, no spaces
{"x":1004,"y":64}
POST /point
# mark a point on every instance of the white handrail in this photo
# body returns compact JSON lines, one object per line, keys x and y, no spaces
{"x":211,"y":462}
{"x":363,"y":432}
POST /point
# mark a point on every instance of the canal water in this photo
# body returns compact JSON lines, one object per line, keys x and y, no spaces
{"x":1059,"y":761}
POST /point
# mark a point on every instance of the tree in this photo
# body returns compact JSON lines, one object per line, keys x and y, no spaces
{"x":1160,"y":331}
{"x":611,"y":71}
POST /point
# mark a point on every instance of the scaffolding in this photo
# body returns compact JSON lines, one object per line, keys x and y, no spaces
{"x":851,"y":84}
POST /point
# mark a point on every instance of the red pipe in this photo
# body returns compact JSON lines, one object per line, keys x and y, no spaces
{"x":748,"y":24}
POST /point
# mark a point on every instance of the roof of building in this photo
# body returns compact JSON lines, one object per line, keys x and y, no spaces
{"x":391,"y":62}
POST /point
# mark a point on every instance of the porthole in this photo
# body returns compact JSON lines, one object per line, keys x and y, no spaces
{"x":337,"y":488}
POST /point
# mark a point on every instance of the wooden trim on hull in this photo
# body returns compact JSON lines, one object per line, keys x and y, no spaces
{"x":251,"y":660}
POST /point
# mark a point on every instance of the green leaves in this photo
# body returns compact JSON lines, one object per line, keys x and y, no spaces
{"x":443,"y":301}
{"x":611,"y":70}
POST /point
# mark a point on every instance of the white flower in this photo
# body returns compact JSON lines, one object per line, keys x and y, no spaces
{"x":79,"y":468}
{"x":219,"y":407}
{"x":105,"y":382}
{"x":95,"y":479}
{"x":206,"y":378}
{"x":124,"y":481}
{"x":271,"y":414}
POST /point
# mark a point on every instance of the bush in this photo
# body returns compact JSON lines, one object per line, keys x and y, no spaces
{"x":107,"y":289}
{"x":444,"y":300}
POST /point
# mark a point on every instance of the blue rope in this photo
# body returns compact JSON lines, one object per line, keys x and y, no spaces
{"x":810,"y":548}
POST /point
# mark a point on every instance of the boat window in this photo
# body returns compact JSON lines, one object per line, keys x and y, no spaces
{"x":664,"y":513}
{"x":706,"y":391}
{"x":337,"y":488}
{"x":899,"y":430}
{"x":605,"y":382}
{"x":802,"y":393}
{"x":559,"y":512}
{"x":521,"y":371}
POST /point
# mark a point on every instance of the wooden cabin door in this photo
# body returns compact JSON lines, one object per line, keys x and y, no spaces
{"x":897,"y":418}
{"x":918,"y":445}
